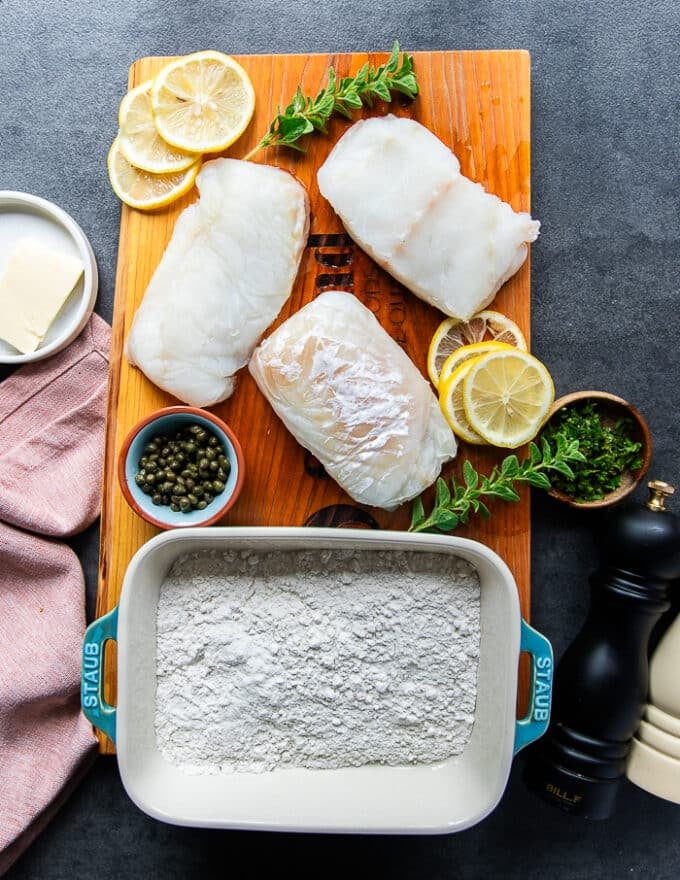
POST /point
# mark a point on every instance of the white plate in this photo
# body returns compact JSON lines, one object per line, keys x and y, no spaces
{"x":26,"y":216}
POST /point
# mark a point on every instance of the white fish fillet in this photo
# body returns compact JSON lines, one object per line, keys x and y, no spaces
{"x":351,"y":396}
{"x":224,"y":277}
{"x":399,"y":191}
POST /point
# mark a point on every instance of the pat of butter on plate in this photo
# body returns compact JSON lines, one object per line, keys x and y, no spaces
{"x":35,"y":285}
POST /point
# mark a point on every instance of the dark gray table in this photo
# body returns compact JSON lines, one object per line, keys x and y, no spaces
{"x":606,"y":152}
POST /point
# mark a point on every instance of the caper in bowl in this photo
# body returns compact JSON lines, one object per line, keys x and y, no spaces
{"x":181,"y":466}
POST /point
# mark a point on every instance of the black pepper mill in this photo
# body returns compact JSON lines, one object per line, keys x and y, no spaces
{"x":601,"y":681}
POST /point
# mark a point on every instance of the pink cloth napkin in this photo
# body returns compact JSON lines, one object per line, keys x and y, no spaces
{"x":51,"y":448}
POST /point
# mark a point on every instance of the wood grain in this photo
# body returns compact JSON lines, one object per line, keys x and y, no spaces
{"x":476,"y":102}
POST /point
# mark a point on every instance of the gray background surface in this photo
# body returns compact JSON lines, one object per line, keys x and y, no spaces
{"x":605,"y":152}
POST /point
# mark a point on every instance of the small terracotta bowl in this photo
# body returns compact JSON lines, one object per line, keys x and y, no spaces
{"x":167,"y":421}
{"x":611,"y":408}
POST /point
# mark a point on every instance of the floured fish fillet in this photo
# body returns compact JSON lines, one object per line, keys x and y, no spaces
{"x":399,"y":191}
{"x":349,"y":394}
{"x":225,"y":275}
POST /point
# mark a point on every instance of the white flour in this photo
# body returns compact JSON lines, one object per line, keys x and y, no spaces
{"x":323,"y":659}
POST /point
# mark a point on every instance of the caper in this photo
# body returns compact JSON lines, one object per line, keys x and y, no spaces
{"x":183,"y":470}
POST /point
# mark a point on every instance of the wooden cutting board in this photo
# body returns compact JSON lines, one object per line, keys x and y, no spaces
{"x":476,"y":102}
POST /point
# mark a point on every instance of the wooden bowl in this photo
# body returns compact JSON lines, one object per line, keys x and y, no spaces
{"x":165,"y":421}
{"x":611,"y":408}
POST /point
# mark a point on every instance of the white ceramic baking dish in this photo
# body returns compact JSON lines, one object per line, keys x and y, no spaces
{"x":444,"y":797}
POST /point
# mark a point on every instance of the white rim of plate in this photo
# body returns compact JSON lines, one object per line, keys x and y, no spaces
{"x":9,"y":198}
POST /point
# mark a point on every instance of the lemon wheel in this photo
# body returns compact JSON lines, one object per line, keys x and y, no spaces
{"x":142,"y":190}
{"x":138,"y":138}
{"x":452,"y":334}
{"x":466,"y":353}
{"x":453,"y":407}
{"x":507,"y":396}
{"x":202,"y":102}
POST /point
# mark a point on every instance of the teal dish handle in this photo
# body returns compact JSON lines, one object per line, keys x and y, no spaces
{"x":95,"y":709}
{"x":536,"y":721}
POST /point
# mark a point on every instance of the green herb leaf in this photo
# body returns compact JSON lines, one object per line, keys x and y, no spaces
{"x":443,"y":493}
{"x":538,"y":480}
{"x":470,"y":475}
{"x":510,"y":466}
{"x":417,"y":514}
{"x":446,"y":520}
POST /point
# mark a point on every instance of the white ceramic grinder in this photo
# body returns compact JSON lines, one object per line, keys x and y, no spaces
{"x":654,"y":758}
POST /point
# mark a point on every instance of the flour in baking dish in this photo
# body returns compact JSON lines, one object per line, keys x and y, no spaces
{"x":315,"y":658}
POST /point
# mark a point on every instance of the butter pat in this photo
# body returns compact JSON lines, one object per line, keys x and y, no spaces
{"x":34,"y":286}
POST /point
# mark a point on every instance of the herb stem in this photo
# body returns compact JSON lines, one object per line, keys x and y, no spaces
{"x":454,"y":504}
{"x":305,"y":115}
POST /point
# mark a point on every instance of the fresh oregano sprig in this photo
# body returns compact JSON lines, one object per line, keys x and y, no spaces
{"x":453,"y":505}
{"x":305,"y":115}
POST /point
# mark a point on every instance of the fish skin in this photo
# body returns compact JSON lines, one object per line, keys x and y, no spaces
{"x":226,"y":273}
{"x":350,"y":395}
{"x":400,"y":194}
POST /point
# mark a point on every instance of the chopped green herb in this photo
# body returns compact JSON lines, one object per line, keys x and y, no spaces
{"x":453,"y":505}
{"x":609,"y":450}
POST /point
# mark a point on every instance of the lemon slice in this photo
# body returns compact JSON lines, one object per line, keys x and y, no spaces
{"x":451,"y":402}
{"x":460,"y":355}
{"x":453,"y":334}
{"x":138,"y":138}
{"x":145,"y":191}
{"x":202,"y":102}
{"x":507,"y":396}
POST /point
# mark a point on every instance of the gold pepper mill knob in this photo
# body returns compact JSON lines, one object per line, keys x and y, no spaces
{"x":659,"y":491}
